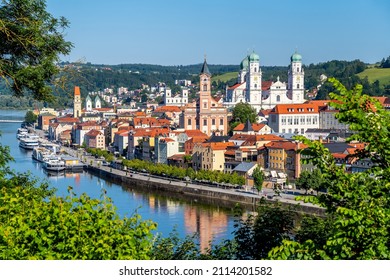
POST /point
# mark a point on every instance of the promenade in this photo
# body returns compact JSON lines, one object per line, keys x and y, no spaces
{"x":226,"y":195}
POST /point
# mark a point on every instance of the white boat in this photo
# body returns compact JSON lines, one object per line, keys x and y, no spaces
{"x":41,"y":153}
{"x":29,"y":142}
{"x":22,"y":132}
{"x":54,"y":164}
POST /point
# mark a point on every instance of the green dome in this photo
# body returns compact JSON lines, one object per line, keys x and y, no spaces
{"x":296,"y":57}
{"x":254,"y":57}
{"x":244,"y":63}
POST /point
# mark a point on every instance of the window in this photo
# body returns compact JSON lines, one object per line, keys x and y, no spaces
{"x":289,"y":120}
{"x":189,"y":122}
{"x":220,"y":121}
{"x":204,"y":87}
{"x":284,"y":120}
{"x":278,"y":98}
{"x":302,"y":119}
{"x":296,"y":120}
{"x":213,"y":122}
{"x":297,"y":85}
{"x":205,"y":105}
{"x":205,"y":122}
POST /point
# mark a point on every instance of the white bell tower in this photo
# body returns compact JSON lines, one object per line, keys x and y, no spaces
{"x":296,"y":75}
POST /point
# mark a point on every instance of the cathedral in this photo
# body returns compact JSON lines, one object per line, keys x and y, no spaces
{"x":205,"y":114}
{"x":266,"y":94}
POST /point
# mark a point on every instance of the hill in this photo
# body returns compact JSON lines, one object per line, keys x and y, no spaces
{"x":225,"y":77}
{"x":373,"y":74}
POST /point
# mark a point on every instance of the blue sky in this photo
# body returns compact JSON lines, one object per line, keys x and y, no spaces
{"x":181,"y":32}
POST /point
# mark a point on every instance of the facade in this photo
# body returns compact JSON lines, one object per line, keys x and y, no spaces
{"x":266,"y":94}
{"x":294,"y":118}
{"x":94,"y":139}
{"x":205,"y":114}
{"x":176,"y":100}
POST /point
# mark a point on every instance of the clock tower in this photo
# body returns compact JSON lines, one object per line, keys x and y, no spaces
{"x":296,"y":86}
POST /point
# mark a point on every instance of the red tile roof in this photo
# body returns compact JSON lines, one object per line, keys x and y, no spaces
{"x":256,"y":127}
{"x":265,"y":85}
{"x":235,"y":85}
{"x":93,"y":133}
{"x":167,"y":109}
{"x":295,"y":109}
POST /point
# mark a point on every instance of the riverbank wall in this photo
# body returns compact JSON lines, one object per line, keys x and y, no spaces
{"x":226,"y":198}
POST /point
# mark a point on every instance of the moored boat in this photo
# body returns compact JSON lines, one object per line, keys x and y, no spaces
{"x":54,"y":164}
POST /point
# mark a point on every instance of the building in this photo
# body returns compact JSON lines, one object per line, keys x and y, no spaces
{"x":252,"y":129}
{"x":77,"y":102}
{"x":205,"y":114}
{"x":94,"y":139}
{"x":180,"y":99}
{"x":294,"y":118}
{"x":266,"y":94}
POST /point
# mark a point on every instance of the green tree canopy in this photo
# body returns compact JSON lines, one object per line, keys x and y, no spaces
{"x":359,"y":203}
{"x":31,"y":42}
{"x":243,"y":112}
{"x":258,"y":177}
{"x":30,"y":117}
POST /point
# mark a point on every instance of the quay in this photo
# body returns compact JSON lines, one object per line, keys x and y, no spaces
{"x":202,"y":193}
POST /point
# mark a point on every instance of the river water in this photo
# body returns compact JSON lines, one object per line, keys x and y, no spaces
{"x":187,"y":217}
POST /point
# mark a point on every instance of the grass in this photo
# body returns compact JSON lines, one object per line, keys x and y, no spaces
{"x":225,"y":77}
{"x":373,"y":74}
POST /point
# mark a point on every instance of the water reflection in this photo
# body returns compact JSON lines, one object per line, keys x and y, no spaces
{"x":169,"y":211}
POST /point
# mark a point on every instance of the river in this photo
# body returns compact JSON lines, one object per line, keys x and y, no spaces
{"x":187,"y":217}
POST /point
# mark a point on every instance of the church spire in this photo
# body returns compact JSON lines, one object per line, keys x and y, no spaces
{"x":205,"y":68}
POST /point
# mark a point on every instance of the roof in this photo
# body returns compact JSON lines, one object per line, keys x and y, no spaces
{"x":93,"y":133}
{"x":205,"y":68}
{"x":285,"y":145}
{"x":244,"y":166}
{"x":235,"y":85}
{"x":249,"y":127}
{"x":295,"y":109}
{"x":195,"y":133}
{"x":265,"y":85}
{"x":215,"y":138}
{"x":67,"y":120}
{"x":167,"y":109}
{"x":76,"y":90}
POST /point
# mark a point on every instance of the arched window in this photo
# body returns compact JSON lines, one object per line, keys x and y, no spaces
{"x":204,"y":87}
{"x":255,"y":69}
{"x":278,"y":98}
{"x":297,"y":85}
{"x":297,"y":69}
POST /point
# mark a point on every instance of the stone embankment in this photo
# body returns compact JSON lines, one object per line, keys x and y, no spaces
{"x":201,"y":193}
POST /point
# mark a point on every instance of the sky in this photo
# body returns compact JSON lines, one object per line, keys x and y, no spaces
{"x":182,"y":32}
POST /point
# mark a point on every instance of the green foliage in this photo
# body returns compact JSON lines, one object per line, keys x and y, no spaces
{"x":32,"y":40}
{"x":243,"y":112}
{"x":30,"y":117}
{"x":310,"y":180}
{"x":258,"y":177}
{"x":181,"y":173}
{"x":358,"y":203}
{"x":257,"y":235}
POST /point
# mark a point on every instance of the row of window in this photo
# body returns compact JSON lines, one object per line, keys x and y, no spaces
{"x":296,"y":120}
{"x":189,"y":122}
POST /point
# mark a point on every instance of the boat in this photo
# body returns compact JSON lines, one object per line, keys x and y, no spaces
{"x":21,"y":133}
{"x":41,"y":153}
{"x":29,"y":141}
{"x":53,"y":164}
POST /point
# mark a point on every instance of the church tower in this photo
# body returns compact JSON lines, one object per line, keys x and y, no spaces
{"x":88,"y":103}
{"x":253,"y":82}
{"x":296,"y":75}
{"x":205,"y":87}
{"x":77,"y":102}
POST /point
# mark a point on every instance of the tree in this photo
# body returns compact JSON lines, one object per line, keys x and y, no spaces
{"x":359,"y":203}
{"x":258,"y":177}
{"x":310,"y":180}
{"x":30,"y":117}
{"x":31,"y":41}
{"x":241,"y":113}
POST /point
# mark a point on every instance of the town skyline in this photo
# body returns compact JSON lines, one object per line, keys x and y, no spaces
{"x":165,"y":33}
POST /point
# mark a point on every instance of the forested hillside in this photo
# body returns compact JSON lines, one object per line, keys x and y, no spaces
{"x":92,"y":77}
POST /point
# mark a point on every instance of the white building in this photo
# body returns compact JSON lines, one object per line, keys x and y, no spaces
{"x":294,"y":118}
{"x":180,"y":99}
{"x":266,"y":94}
